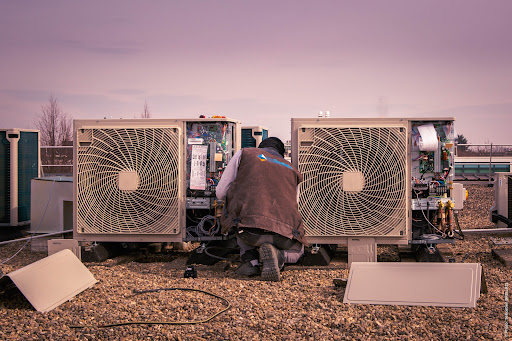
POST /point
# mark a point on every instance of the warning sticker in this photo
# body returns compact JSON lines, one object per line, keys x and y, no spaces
{"x":198,"y":167}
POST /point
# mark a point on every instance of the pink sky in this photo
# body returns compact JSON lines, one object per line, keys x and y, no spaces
{"x":262,"y":62}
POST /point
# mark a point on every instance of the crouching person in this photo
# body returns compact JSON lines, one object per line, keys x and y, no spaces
{"x":260,"y":189}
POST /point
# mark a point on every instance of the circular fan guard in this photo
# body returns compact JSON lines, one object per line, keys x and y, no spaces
{"x":378,"y":154}
{"x":152,"y":154}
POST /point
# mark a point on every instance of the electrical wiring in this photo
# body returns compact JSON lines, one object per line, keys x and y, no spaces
{"x":199,"y":228}
{"x":212,"y":181}
{"x":424,"y":216}
{"x":135,"y":292}
{"x":448,"y":172}
{"x":192,"y":219}
{"x":456,"y":215}
{"x":36,"y":229}
{"x":200,"y":231}
{"x":206,"y":251}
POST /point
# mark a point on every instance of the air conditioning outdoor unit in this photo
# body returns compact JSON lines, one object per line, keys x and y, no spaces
{"x":252,"y":136}
{"x":366,"y":181}
{"x":127,"y":180}
{"x":150,"y":180}
{"x":501,"y":211}
{"x":19,"y":163}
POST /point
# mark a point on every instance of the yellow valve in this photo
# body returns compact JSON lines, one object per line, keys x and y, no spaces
{"x":441,"y":217}
{"x":467,"y":194}
{"x":218,"y":208}
{"x":451,"y":219}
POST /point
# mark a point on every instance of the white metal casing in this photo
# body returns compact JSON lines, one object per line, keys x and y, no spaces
{"x":108,"y":155}
{"x":337,"y":148}
{"x":130,"y":181}
{"x":51,"y":204}
{"x":410,"y":284}
{"x":502,"y":198}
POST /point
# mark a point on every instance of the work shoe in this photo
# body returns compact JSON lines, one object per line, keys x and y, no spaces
{"x":247,"y":269}
{"x":272,"y":261}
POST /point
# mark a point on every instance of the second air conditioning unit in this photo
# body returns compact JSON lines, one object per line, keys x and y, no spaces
{"x":366,"y":180}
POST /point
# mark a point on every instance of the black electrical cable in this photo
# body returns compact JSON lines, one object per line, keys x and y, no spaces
{"x":192,"y":219}
{"x":456,"y":215}
{"x":218,"y":257}
{"x":126,"y":323}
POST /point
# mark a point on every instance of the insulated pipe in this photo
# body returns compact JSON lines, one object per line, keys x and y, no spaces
{"x":497,"y":230}
{"x":13,"y":136}
{"x":441,"y":217}
{"x":451,"y":217}
{"x":218,"y":208}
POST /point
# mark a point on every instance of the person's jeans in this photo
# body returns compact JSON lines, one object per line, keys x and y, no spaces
{"x":249,"y":239}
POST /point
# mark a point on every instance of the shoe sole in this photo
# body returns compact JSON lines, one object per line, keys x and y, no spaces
{"x":268,"y":257}
{"x":249,"y":273}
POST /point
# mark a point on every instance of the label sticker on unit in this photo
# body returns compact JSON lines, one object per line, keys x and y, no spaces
{"x":198,"y":167}
{"x":193,"y":140}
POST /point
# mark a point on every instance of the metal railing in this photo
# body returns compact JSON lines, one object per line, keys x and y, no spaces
{"x":482,"y":152}
{"x":56,"y":160}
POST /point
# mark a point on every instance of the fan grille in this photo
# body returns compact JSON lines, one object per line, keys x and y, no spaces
{"x":149,"y":159}
{"x":373,"y":159}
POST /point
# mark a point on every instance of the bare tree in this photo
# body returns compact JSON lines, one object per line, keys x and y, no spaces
{"x":55,"y":126}
{"x":146,"y":113}
{"x":66,"y":128}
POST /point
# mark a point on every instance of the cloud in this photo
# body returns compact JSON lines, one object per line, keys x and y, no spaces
{"x":27,"y":95}
{"x":127,"y":92}
{"x":119,"y":47}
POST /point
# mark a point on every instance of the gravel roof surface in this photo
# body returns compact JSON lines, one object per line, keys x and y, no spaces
{"x":305,"y":305}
